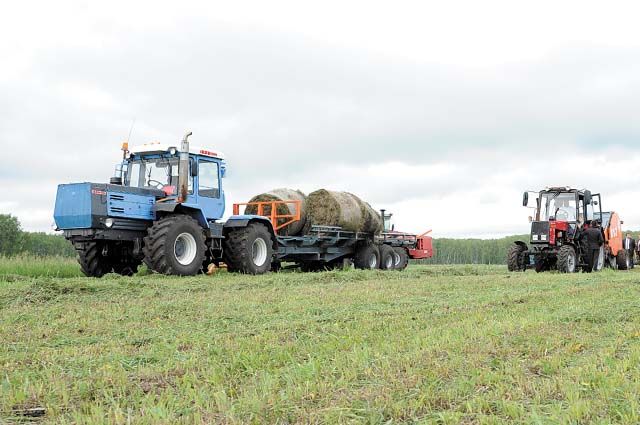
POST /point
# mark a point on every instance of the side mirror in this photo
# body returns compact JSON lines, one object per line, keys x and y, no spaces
{"x":525,"y":199}
{"x":587,"y":197}
{"x":194,"y":167}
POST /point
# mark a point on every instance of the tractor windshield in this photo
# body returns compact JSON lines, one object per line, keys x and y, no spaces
{"x":558,"y":205}
{"x":157,"y":173}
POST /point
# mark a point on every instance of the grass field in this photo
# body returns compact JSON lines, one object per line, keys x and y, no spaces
{"x":433,"y":344}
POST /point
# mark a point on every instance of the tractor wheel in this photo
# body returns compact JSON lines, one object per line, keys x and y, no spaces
{"x":249,"y":250}
{"x":622,"y":260}
{"x":174,"y":245}
{"x":92,"y":262}
{"x":567,"y":260}
{"x":387,"y":257}
{"x":401,"y":258}
{"x":515,"y":260}
{"x":367,"y":258}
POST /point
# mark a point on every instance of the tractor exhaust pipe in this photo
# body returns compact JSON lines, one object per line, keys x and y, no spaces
{"x":183,"y":169}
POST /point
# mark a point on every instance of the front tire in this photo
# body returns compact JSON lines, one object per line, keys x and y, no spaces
{"x":175,"y":246}
{"x":567,"y":259}
{"x":515,"y":258}
{"x":249,"y":250}
{"x":92,"y":262}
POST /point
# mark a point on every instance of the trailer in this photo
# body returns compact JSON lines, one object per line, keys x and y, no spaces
{"x":331,"y":247}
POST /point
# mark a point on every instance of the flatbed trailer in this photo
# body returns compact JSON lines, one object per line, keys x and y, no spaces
{"x":329,"y":247}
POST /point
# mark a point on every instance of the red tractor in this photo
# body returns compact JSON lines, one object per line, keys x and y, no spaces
{"x":555,"y":243}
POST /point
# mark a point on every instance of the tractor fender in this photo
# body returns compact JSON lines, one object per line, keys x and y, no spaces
{"x":522,"y":244}
{"x":161,"y":209}
{"x":240,"y":221}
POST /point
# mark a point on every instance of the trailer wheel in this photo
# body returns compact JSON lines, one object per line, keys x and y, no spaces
{"x":174,"y":245}
{"x":367,"y":258}
{"x":387,"y":257}
{"x":249,"y":250}
{"x":567,"y":259}
{"x":400,"y":254}
{"x":622,"y":260}
{"x":515,"y":258}
{"x":92,"y":262}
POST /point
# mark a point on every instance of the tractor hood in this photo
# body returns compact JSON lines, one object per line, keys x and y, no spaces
{"x":87,"y":205}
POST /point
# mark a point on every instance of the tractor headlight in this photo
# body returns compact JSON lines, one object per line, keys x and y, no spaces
{"x":172,"y":151}
{"x":543,"y":237}
{"x":108,"y":222}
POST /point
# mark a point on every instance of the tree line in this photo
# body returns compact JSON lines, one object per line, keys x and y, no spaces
{"x":15,"y":241}
{"x":472,"y":251}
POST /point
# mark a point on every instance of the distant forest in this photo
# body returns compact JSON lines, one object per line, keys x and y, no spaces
{"x":15,"y":241}
{"x":472,"y":251}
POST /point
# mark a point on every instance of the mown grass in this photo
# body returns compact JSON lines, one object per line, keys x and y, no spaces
{"x":433,"y":344}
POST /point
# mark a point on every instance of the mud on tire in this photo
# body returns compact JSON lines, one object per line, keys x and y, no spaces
{"x":249,"y":250}
{"x":175,"y":245}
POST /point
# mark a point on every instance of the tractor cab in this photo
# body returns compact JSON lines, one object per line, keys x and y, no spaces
{"x":157,"y":167}
{"x":561,"y":213}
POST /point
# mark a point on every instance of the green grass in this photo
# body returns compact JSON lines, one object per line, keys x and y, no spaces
{"x":433,"y":344}
{"x":34,"y":266}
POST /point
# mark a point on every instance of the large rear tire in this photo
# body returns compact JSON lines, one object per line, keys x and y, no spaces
{"x":515,"y":258}
{"x":622,"y":260}
{"x":92,"y":262}
{"x":174,"y":245}
{"x":367,"y":258}
{"x":249,"y":250}
{"x":567,"y":259}
{"x":401,"y":258}
{"x":387,"y":257}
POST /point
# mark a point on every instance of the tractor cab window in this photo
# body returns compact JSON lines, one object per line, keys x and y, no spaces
{"x":208,"y":179}
{"x":560,"y":206}
{"x":156,"y":173}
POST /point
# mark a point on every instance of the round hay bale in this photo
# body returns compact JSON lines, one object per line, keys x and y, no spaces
{"x":342,"y":209}
{"x":282,"y":194}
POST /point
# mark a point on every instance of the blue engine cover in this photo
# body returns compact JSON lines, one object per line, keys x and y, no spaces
{"x":73,"y":206}
{"x":84,"y":205}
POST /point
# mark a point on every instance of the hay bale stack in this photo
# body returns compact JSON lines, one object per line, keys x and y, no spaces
{"x":282,"y":194}
{"x":343,"y":209}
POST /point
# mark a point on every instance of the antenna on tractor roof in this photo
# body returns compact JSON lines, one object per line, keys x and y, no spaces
{"x":131,"y":129}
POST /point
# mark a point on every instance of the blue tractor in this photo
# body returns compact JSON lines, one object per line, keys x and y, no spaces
{"x":162,"y":208}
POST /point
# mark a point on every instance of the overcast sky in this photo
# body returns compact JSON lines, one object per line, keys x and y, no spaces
{"x":442,"y":112}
